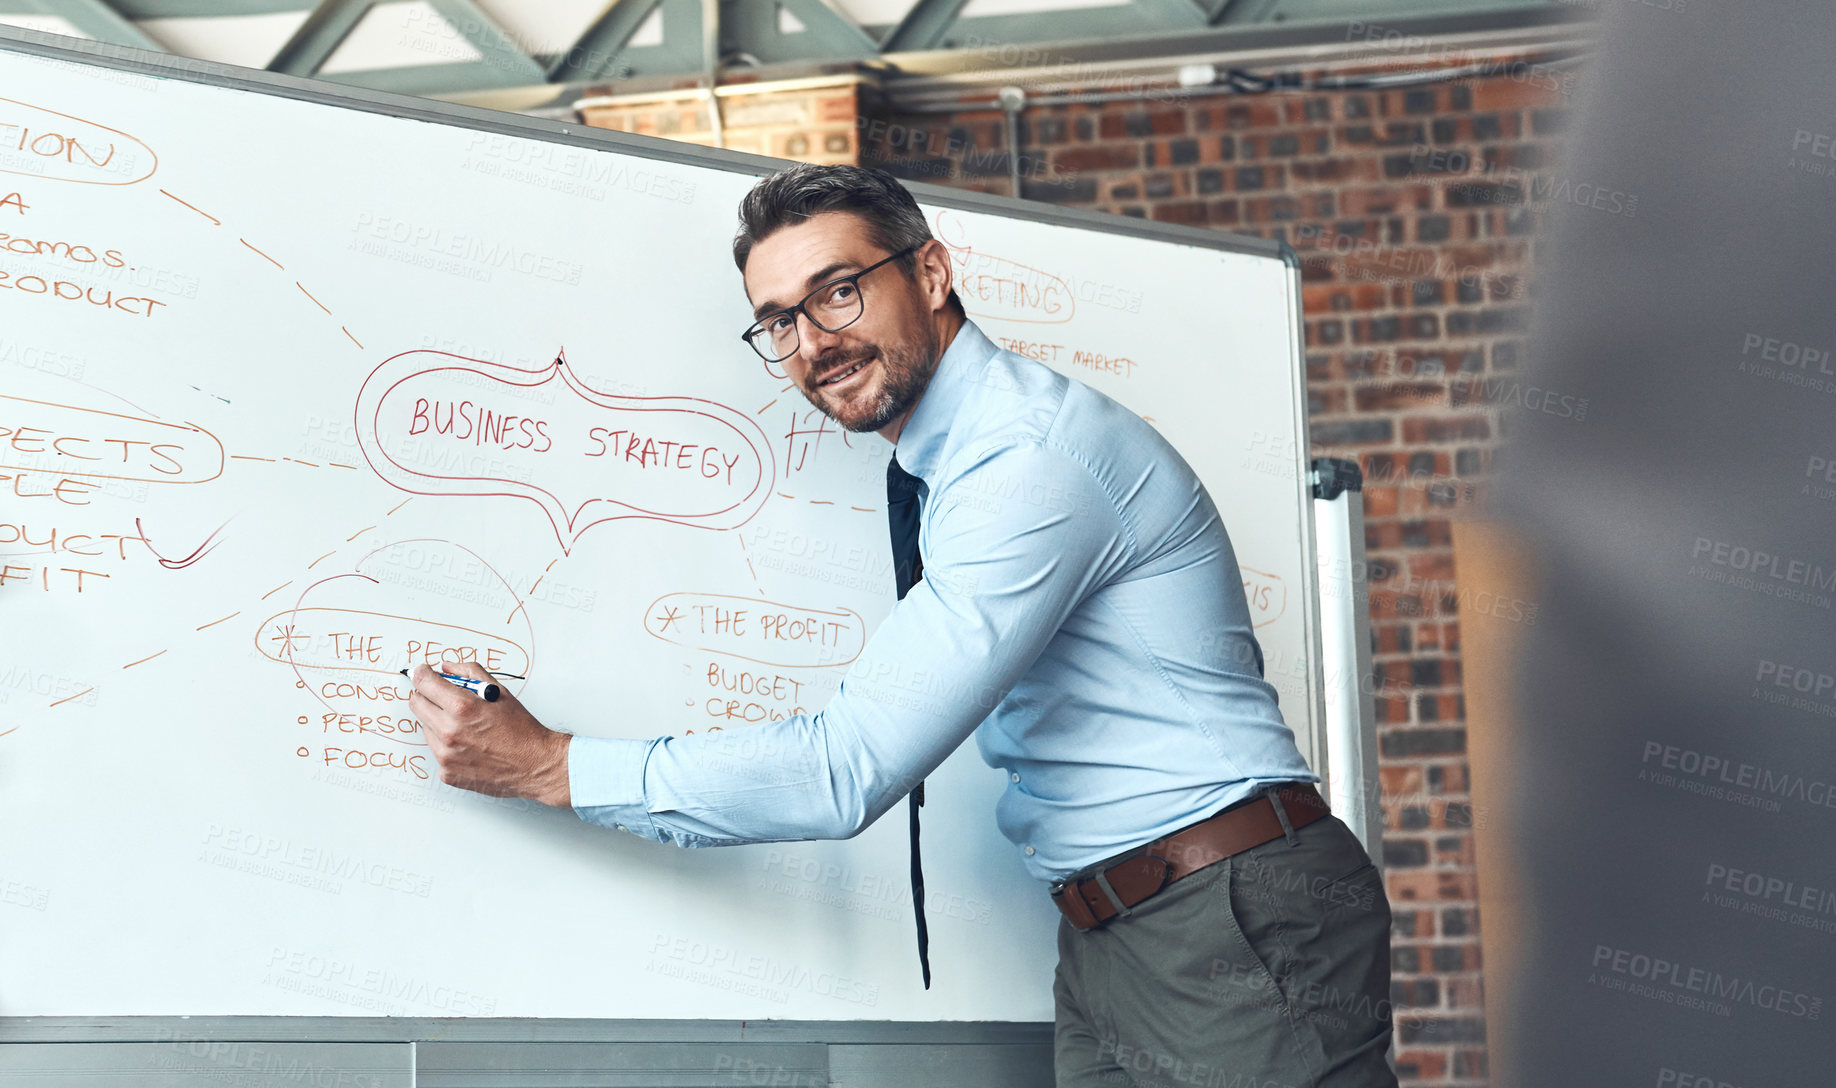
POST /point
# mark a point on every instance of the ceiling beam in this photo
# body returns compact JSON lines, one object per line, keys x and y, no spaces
{"x":500,"y":51}
{"x":752,"y":27}
{"x":923,"y":27}
{"x":1169,"y":14}
{"x":501,"y":62}
{"x":92,"y":18}
{"x":596,"y":53}
{"x":201,"y":9}
{"x":319,"y":37}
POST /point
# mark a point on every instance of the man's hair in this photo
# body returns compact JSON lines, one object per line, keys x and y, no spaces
{"x":791,"y":196}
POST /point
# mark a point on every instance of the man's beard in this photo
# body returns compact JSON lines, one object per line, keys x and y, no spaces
{"x":904,"y":373}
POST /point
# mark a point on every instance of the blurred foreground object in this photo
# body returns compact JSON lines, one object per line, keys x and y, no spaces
{"x":1674,"y":811}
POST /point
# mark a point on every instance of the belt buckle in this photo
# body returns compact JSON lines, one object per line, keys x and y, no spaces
{"x":1074,"y":914}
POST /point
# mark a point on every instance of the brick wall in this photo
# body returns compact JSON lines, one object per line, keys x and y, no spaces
{"x":1413,"y":211}
{"x":810,"y":123}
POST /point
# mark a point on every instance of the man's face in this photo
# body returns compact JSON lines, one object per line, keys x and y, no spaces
{"x":894,"y":343}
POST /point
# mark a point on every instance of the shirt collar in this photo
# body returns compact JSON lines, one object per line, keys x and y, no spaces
{"x":921,"y":443}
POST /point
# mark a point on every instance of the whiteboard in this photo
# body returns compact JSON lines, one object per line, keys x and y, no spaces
{"x":300,"y":384}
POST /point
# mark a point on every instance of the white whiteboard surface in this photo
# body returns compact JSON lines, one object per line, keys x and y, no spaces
{"x":199,"y":818}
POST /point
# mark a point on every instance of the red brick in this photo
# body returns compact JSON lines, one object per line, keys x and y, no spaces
{"x":1393,"y":395}
{"x":840,"y":107}
{"x":1430,"y":886}
{"x":1400,"y":781}
{"x":1390,"y":638}
{"x":1509,"y":94}
{"x":1446,"y":429}
{"x":1097,"y":157}
{"x":1325,"y":401}
{"x":1433,"y":567}
{"x":1421,"y":1066}
{"x":1190,"y":212}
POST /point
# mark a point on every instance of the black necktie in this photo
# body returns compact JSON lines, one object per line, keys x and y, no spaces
{"x":902,"y":504}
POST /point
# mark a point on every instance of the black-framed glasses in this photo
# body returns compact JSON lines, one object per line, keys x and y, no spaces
{"x":831,"y":307}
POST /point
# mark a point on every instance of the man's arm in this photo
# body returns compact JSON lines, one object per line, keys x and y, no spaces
{"x":1018,"y":540}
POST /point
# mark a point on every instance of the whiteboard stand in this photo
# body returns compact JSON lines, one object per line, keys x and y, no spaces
{"x":1353,"y":789}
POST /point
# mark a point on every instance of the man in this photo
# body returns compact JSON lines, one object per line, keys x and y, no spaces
{"x":1071,"y":567}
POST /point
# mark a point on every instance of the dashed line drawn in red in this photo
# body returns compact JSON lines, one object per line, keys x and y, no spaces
{"x":358,"y":533}
{"x":213,"y":623}
{"x":321,"y":559}
{"x":250,"y":457}
{"x":513,"y":612}
{"x":398,"y":506}
{"x":334,"y":464}
{"x":749,"y":567}
{"x":79,"y":694}
{"x":297,"y":461}
{"x":820,"y":502}
{"x":275,"y":590}
{"x":537,"y":582}
{"x":862,"y":509}
{"x":761,"y":411}
{"x":264,"y":256}
{"x":142,"y":661}
{"x":347,"y":332}
{"x":308,"y":294}
{"x":179,"y":564}
{"x":197,"y":209}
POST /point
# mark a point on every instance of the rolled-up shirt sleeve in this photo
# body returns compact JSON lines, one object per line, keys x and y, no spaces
{"x":1021,"y":533}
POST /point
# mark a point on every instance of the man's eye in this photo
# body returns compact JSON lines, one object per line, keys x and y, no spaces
{"x":841,"y":292}
{"x":778,"y":324}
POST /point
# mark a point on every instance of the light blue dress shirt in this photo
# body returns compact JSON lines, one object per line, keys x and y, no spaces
{"x":1080,"y":603}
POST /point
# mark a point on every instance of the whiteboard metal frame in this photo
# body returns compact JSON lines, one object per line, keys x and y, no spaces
{"x":1012,"y":1046}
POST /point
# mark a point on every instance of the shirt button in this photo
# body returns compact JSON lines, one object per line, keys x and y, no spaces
{"x":622,"y":827}
{"x":1016,"y":776}
{"x":1029,"y":851}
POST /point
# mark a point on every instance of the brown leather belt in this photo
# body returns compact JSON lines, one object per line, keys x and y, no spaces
{"x":1113,"y":892}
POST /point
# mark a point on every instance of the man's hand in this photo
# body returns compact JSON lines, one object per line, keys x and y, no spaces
{"x":492,"y":748}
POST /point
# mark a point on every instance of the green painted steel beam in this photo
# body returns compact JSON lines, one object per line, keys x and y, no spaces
{"x":1163,"y":14}
{"x":90,"y":17}
{"x":600,"y":48}
{"x":202,"y":9}
{"x":932,"y":28}
{"x":502,"y":57}
{"x":501,"y":62}
{"x":318,"y":37}
{"x":751,"y":27}
{"x":923,"y":27}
